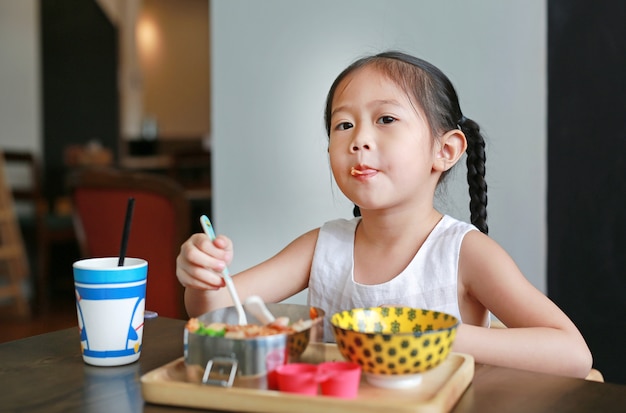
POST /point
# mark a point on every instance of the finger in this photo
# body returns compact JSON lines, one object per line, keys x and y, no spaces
{"x":196,"y":269}
{"x":201,"y":252}
{"x":221,"y":248}
{"x":198,"y":277}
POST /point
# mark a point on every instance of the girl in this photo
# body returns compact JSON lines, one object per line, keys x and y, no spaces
{"x":395,"y":129}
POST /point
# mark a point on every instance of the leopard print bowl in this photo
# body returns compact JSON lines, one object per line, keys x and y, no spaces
{"x":394,"y":345}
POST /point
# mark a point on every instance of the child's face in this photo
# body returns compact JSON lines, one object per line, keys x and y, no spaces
{"x":381,"y":149}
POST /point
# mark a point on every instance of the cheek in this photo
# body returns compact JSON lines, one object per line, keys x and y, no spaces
{"x":335,"y":165}
{"x":338,"y":165}
{"x":334,"y":155}
{"x":409,"y":161}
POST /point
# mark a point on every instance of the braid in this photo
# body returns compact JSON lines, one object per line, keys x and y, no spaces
{"x":476,"y":173}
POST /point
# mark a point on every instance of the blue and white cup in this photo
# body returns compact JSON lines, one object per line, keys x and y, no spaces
{"x":110,"y":304}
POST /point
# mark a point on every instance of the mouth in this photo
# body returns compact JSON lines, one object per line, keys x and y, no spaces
{"x":355,"y":172}
{"x":362,"y":170}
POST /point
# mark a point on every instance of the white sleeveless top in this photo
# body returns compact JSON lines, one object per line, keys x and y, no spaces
{"x":429,"y":281}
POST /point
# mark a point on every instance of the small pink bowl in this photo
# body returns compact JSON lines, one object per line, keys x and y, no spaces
{"x":297,"y":378}
{"x":335,"y":378}
{"x":341,"y":379}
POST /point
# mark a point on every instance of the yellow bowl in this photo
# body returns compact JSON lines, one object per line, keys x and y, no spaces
{"x":394,"y":340}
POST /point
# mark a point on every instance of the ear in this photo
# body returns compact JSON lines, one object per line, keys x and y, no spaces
{"x":449,"y":149}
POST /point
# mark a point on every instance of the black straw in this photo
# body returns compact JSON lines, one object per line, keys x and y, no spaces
{"x":129,"y":218}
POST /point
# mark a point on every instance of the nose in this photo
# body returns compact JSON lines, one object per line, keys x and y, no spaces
{"x":361,"y":141}
{"x":356,"y":147}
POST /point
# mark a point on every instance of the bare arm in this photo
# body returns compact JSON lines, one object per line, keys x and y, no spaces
{"x":201,"y":261}
{"x":540,"y":336}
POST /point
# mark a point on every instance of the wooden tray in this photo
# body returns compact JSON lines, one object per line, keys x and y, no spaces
{"x":439,"y":390}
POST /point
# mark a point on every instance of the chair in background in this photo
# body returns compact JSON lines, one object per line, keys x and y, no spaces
{"x":43,"y":225}
{"x":160,"y":224}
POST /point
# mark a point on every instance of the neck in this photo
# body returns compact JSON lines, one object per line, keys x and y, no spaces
{"x":391,"y":227}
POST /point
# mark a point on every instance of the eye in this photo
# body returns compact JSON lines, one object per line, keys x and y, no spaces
{"x":344,"y":126}
{"x":386,"y":119}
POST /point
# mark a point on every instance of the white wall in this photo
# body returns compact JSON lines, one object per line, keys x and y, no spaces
{"x":273,"y":62}
{"x":20,"y":112}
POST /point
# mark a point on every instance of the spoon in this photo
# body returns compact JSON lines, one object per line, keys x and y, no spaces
{"x":208,"y":229}
{"x":255,"y":306}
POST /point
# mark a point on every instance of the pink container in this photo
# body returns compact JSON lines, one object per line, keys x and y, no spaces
{"x":334,"y":378}
{"x":298,"y":378}
{"x":339,"y":379}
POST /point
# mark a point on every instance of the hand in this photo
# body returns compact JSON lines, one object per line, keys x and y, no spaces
{"x":200,"y":262}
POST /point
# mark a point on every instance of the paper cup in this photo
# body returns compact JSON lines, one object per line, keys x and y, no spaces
{"x":110,"y":303}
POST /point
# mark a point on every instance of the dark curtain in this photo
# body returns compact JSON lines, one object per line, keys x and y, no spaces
{"x":79,"y":81}
{"x":587,"y":173}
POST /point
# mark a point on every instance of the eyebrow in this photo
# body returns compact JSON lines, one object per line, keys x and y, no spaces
{"x":376,"y":102}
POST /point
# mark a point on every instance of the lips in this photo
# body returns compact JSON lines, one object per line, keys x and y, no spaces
{"x":362,"y":171}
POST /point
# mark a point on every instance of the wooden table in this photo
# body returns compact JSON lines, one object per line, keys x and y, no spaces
{"x":46,"y":373}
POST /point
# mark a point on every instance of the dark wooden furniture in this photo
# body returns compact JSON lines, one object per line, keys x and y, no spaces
{"x":160,"y":224}
{"x":13,"y":259}
{"x":186,"y":160}
{"x":39,"y":221}
{"x":46,"y":374}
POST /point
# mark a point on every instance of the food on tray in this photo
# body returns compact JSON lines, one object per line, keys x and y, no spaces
{"x":279,"y":326}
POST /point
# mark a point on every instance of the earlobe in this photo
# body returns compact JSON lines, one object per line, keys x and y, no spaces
{"x":451,"y":147}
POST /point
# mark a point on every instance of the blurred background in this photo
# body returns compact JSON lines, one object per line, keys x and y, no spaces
{"x":227,"y":97}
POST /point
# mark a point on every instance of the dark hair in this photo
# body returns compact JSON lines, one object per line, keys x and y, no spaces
{"x":433,"y":91}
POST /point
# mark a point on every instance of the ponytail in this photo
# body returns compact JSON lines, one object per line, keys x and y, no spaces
{"x":476,"y":173}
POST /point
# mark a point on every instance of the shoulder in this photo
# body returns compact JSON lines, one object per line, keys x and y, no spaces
{"x":342,"y":229}
{"x":332,"y":228}
{"x":483,"y":261}
{"x":450,"y":224}
{"x":338,"y":230}
{"x":340,"y":224}
{"x":477,"y":243}
{"x":476,"y":246}
{"x":308,"y":238}
{"x":450,"y":229}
